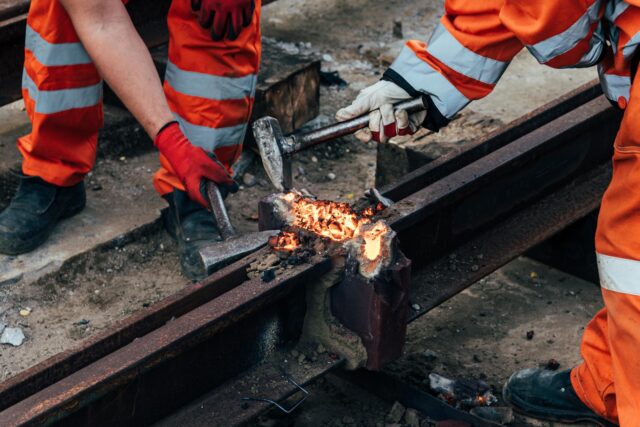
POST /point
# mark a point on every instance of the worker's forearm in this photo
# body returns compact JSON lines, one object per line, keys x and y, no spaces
{"x":122,"y":59}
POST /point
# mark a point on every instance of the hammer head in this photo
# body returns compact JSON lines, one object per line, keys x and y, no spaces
{"x":270,"y":141}
{"x":217,"y":255}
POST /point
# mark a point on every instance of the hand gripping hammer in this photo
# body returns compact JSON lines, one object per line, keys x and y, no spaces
{"x":233,"y":245}
{"x":276,"y":149}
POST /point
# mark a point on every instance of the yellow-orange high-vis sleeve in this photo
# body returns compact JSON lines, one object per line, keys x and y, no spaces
{"x":465,"y":57}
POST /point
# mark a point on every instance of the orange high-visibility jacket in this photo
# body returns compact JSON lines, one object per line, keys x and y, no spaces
{"x":209,"y":85}
{"x":475,"y":41}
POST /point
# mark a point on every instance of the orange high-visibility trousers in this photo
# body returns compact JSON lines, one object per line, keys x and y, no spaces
{"x":608,"y":380}
{"x":209,"y":86}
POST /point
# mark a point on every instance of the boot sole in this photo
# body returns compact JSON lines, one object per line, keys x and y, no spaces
{"x":539,"y":413}
{"x":37,"y":240}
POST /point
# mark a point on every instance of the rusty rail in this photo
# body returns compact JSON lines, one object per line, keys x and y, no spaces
{"x":470,"y":152}
{"x":500,"y":204}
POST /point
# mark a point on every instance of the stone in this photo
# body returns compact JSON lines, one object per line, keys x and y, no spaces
{"x":430,"y":355}
{"x":331,"y":176}
{"x":268,"y":275}
{"x":396,"y":413}
{"x":12,"y":336}
{"x":501,"y":415}
{"x":249,"y":180}
{"x":411,"y":418}
{"x":328,"y":58}
{"x":397,"y":29}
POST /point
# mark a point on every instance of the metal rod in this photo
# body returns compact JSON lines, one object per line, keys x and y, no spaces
{"x":276,"y":404}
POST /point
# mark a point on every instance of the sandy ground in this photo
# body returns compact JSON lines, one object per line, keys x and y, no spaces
{"x":480,"y":333}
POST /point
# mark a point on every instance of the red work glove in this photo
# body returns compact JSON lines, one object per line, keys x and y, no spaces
{"x":191,"y":163}
{"x":224,"y":17}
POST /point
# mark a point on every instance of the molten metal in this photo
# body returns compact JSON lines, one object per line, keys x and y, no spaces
{"x":332,"y":220}
{"x":285,"y":241}
{"x":336,"y":221}
{"x":373,"y":248}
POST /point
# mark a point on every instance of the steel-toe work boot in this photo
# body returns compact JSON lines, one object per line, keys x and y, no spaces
{"x":549,"y":396}
{"x":193,"y":227}
{"x":34,"y":212}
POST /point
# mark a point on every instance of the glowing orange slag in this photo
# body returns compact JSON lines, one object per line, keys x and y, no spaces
{"x":332,"y":220}
{"x":285,"y":241}
{"x":373,"y":240}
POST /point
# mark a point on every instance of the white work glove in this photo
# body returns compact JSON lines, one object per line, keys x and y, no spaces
{"x":384,"y":122}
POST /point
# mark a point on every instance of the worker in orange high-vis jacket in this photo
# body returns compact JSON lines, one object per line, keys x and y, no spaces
{"x":197,"y":122}
{"x":468,"y":52}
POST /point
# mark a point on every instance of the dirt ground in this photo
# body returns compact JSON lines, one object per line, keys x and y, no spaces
{"x":480,"y":333}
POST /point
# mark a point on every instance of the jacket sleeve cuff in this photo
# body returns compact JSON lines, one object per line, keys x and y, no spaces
{"x":435,"y":120}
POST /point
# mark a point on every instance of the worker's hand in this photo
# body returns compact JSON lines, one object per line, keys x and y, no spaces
{"x":224,"y":17}
{"x":191,"y":163}
{"x":384,"y":122}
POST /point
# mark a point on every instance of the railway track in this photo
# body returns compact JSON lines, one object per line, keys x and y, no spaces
{"x":191,"y":358}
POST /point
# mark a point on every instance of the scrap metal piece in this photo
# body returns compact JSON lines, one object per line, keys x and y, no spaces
{"x":376,"y":196}
{"x":276,"y":404}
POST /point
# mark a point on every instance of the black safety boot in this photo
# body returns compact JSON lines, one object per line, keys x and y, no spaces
{"x":34,"y":212}
{"x":548,"y":395}
{"x":193,"y":227}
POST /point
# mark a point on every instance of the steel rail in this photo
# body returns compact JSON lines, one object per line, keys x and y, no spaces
{"x":432,"y":284}
{"x":165,"y":369}
{"x":451,"y":210}
{"x":214,"y":342}
{"x":472,"y":151}
{"x":122,"y":333}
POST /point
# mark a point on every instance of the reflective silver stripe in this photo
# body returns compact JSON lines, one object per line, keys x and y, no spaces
{"x":211,"y":138}
{"x":555,"y":46}
{"x":425,"y":79}
{"x":614,"y":9}
{"x":596,"y":45}
{"x":55,"y":101}
{"x":619,"y":274}
{"x":50,"y":54}
{"x":614,"y":86}
{"x":210,"y":86}
{"x":447,"y":49}
{"x":630,"y":47}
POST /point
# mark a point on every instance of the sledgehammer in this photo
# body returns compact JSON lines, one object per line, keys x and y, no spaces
{"x":233,"y":245}
{"x":276,"y":150}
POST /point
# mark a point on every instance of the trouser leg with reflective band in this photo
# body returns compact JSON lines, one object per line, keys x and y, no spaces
{"x":609,"y":378}
{"x":63,"y":97}
{"x":210,"y":87}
